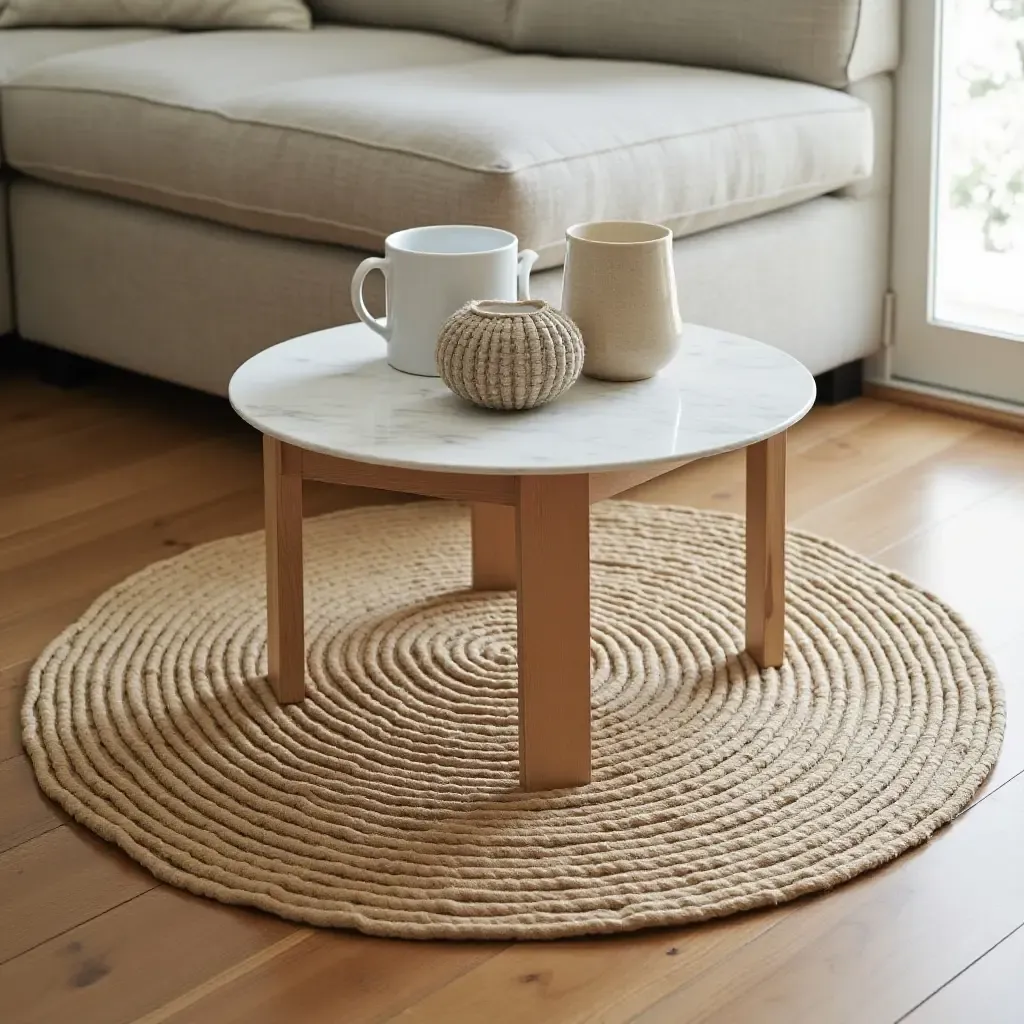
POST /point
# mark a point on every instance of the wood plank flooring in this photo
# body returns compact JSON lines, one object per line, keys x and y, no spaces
{"x":99,"y":482}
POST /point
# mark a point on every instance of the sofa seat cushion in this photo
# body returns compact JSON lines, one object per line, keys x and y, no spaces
{"x":22,"y":48}
{"x":346,"y":134}
{"x":191,"y":14}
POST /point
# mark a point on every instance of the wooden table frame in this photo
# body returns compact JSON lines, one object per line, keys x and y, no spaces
{"x":532,"y":534}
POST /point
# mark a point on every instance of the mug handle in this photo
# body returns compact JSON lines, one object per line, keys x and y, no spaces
{"x":524,"y":265}
{"x":381,"y":327}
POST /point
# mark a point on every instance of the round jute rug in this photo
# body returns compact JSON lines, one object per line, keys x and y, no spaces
{"x":387,"y":802}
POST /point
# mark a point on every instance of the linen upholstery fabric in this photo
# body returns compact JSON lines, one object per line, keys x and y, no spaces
{"x":876,"y":47}
{"x":831,"y":42}
{"x":489,"y":21}
{"x":166,"y":13}
{"x":20,"y":50}
{"x":189,"y":300}
{"x":877,"y":92}
{"x":344,"y":135}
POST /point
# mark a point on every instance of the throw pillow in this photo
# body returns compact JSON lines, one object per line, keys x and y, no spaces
{"x":163,"y":13}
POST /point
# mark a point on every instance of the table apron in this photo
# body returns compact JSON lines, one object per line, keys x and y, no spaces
{"x":496,"y":490}
{"x":486,"y":488}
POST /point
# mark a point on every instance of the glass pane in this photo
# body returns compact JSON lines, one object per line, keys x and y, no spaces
{"x":979,"y":266}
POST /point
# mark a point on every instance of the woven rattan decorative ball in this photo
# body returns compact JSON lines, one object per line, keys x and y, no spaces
{"x":509,"y":355}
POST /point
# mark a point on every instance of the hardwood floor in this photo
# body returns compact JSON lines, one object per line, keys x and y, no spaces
{"x":99,"y":482}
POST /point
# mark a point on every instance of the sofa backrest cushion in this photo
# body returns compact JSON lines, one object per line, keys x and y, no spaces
{"x":192,"y":14}
{"x":830,"y":42}
{"x":811,"y":40}
{"x":487,"y":21}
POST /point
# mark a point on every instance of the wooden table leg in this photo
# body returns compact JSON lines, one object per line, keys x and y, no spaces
{"x":286,"y":646}
{"x":553,"y":551}
{"x":494,"y":546}
{"x":766,"y":544}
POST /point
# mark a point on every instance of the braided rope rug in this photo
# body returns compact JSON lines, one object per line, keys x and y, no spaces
{"x":387,"y":801}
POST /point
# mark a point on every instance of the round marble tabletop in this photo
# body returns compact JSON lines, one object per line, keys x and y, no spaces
{"x":334,"y":392}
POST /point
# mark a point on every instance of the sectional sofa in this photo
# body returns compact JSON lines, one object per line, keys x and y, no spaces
{"x":176,"y":201}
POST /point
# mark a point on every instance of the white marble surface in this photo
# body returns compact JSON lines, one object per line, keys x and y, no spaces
{"x":334,"y":392}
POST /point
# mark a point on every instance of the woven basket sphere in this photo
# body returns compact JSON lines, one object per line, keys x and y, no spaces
{"x":509,"y":355}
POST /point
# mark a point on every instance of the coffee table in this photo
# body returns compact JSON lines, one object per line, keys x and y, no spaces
{"x":330,"y":408}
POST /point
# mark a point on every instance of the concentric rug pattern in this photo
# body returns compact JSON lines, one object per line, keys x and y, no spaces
{"x":387,"y":802}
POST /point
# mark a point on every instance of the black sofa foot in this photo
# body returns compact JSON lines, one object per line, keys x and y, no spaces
{"x":14,"y":353}
{"x":63,"y":369}
{"x":841,"y":384}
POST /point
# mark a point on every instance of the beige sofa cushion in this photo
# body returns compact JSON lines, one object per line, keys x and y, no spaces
{"x":344,"y":135}
{"x":831,"y":42}
{"x":18,"y":51}
{"x":824,"y":41}
{"x":489,"y":21}
{"x":166,"y":13}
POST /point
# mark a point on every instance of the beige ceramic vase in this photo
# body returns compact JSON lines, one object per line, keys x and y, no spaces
{"x":620,"y":289}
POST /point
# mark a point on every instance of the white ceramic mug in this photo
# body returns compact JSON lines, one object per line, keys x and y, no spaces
{"x":620,"y":289}
{"x":431,"y":272}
